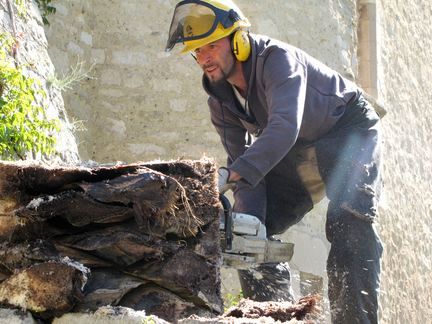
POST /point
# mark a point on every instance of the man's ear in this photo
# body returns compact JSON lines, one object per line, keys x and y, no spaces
{"x":240,"y":45}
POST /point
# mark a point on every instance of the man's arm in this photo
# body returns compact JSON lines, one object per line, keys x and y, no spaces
{"x":231,"y":131}
{"x":234,"y":176}
{"x":284,"y":79}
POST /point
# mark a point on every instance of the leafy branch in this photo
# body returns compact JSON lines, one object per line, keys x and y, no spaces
{"x":24,"y":126}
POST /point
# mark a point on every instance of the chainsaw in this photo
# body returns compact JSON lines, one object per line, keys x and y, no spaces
{"x":244,"y":241}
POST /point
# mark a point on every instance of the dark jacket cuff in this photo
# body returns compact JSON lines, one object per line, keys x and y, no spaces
{"x":248,"y":172}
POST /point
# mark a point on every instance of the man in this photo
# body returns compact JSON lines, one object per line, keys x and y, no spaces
{"x":294,"y":131}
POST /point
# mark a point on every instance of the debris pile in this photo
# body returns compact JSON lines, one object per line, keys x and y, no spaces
{"x":143,"y":236}
{"x":306,"y":307}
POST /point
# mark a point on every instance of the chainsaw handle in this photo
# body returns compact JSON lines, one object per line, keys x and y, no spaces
{"x":228,"y":220}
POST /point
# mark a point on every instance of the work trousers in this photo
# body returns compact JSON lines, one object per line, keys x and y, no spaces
{"x":344,"y":166}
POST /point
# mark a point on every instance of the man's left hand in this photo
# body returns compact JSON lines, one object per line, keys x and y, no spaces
{"x":225,"y":181}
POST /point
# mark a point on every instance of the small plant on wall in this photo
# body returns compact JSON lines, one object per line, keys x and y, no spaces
{"x":25,"y":130}
{"x":45,"y":9}
{"x":20,"y":7}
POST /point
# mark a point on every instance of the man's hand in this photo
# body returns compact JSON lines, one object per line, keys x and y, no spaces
{"x":225,"y":181}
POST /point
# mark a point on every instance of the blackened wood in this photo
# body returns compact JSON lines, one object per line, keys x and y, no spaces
{"x":46,"y":289}
{"x":16,"y":228}
{"x":87,"y":259}
{"x":145,"y":230}
{"x":170,"y":307}
{"x":121,"y":245}
{"x":187,"y":274}
{"x":77,"y":208}
{"x":158,"y":203}
{"x":106,"y":286}
{"x":18,"y":256}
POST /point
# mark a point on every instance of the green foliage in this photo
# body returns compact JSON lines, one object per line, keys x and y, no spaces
{"x":149,"y":320}
{"x":75,"y":75}
{"x":24,"y":128}
{"x":45,"y":9}
{"x":231,"y":300}
{"x":6,"y":43}
{"x":21,"y":7}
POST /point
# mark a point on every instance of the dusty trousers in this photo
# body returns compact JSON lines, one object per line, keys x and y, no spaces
{"x":344,"y":166}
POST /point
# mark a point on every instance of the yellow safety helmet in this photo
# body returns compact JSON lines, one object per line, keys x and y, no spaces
{"x":196,"y":23}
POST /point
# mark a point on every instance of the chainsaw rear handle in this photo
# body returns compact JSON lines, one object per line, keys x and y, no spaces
{"x":228,"y":220}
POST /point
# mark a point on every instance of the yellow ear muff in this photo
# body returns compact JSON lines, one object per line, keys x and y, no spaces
{"x":240,"y":45}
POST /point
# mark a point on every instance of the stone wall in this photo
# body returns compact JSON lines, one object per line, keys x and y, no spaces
{"x":405,"y":70}
{"x":143,"y":105}
{"x":26,"y":28}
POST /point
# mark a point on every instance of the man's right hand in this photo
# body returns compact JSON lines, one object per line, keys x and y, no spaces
{"x":223,"y":180}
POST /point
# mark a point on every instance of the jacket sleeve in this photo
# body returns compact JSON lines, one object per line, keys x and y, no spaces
{"x":231,"y":131}
{"x":284,"y":80}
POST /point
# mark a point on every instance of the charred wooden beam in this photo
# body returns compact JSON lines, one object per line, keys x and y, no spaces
{"x":47,"y":289}
{"x":148,"y":233}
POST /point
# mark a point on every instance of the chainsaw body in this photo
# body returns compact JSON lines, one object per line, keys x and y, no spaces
{"x":244,"y":241}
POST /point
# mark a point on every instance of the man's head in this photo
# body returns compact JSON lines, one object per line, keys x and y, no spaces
{"x":197,"y":23}
{"x":217,"y":60}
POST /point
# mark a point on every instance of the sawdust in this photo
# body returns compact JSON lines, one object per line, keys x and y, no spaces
{"x":305,"y":308}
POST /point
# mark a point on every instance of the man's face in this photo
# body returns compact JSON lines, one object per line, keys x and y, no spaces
{"x":216,"y":60}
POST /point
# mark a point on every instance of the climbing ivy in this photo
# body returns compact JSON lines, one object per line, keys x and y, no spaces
{"x":24,"y":128}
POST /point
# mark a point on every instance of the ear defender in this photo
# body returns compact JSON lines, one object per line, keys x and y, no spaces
{"x":240,"y":45}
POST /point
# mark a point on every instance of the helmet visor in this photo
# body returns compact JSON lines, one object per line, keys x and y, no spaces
{"x":195,"y":20}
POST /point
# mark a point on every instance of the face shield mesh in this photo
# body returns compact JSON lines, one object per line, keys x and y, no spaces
{"x":191,"y":21}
